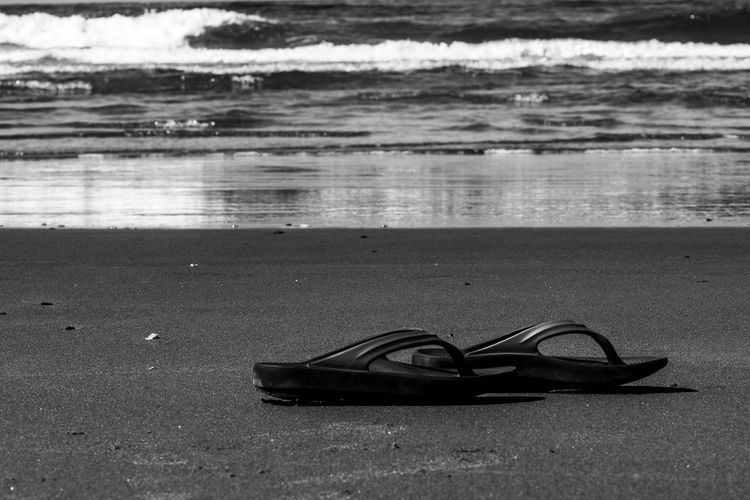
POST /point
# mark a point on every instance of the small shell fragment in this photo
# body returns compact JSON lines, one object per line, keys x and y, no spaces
{"x":152,"y":336}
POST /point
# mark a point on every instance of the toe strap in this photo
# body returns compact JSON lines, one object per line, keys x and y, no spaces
{"x":527,"y":340}
{"x":359,"y":355}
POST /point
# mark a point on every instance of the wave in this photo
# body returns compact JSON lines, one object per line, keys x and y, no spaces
{"x":163,"y":30}
{"x":345,"y":23}
{"x":394,"y":56}
{"x":226,"y":41}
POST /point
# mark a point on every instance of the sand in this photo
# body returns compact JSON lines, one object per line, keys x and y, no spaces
{"x":90,"y":409}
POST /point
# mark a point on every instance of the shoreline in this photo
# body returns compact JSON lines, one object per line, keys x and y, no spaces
{"x":400,"y":191}
{"x":98,"y":411}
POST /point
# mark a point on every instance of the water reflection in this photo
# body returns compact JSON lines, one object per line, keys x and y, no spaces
{"x":651,"y":189}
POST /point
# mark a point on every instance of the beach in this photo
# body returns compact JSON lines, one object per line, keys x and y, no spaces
{"x":94,"y":410}
{"x":191,"y":187}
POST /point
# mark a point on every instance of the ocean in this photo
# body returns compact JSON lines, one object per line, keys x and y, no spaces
{"x":391,"y":112}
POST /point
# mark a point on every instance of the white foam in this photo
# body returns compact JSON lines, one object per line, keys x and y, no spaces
{"x":533,"y":98}
{"x":644,"y":151}
{"x":36,"y":86}
{"x":182,"y":124}
{"x":504,"y":151}
{"x":401,"y":56}
{"x":166,"y":29}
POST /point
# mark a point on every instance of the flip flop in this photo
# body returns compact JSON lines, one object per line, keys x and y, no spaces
{"x":361,"y":371}
{"x":539,"y":372}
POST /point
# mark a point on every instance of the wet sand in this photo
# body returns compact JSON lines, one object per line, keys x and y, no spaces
{"x":93,"y":410}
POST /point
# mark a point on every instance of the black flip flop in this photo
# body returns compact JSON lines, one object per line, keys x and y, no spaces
{"x":362,"y":372}
{"x":535,"y":371}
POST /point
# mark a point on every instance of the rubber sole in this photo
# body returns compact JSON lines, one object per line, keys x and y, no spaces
{"x":543,"y":373}
{"x":395,"y":382}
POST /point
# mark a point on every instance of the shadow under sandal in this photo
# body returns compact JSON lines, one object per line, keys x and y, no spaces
{"x":538,"y":372}
{"x":362,"y":372}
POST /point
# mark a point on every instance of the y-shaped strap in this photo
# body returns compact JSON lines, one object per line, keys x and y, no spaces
{"x":527,"y":340}
{"x":359,"y":355}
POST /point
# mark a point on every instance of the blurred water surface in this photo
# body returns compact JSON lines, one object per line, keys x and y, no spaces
{"x":397,"y":190}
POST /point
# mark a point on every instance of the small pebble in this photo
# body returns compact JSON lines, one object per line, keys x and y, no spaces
{"x":193,"y":265}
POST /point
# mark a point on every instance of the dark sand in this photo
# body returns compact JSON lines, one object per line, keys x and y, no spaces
{"x":99,"y":412}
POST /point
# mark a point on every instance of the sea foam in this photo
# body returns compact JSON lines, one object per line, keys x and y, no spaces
{"x":166,"y":29}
